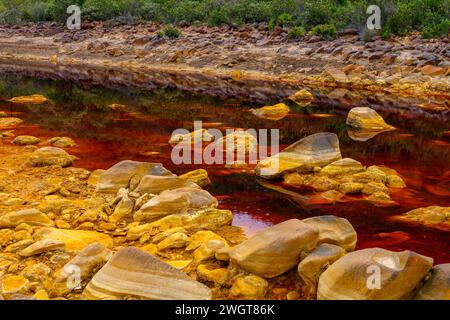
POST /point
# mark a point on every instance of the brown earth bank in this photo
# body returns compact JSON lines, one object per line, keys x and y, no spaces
{"x":405,"y":74}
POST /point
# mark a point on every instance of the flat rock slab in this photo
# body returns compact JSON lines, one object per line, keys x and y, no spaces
{"x":134,"y":273}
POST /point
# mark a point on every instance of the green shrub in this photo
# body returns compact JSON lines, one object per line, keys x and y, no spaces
{"x":283,"y":20}
{"x":326,"y":30}
{"x":436,"y":30}
{"x":152,"y":11}
{"x":188,"y":11}
{"x":11,"y":16}
{"x":219,"y":16}
{"x":100,"y":9}
{"x":171,"y":32}
{"x":57,"y":9}
{"x":296,"y":32}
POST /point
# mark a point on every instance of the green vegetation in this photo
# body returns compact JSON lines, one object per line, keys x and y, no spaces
{"x":431,"y":17}
{"x":171,"y":32}
{"x":296,"y":32}
{"x":327,"y":30}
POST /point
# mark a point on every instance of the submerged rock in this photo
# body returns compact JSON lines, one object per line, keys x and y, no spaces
{"x":275,"y":250}
{"x":25,"y":140}
{"x":437,"y":287}
{"x":275,"y":112}
{"x":364,"y":118}
{"x":31,"y":99}
{"x":51,"y":156}
{"x":61,"y":142}
{"x":302,"y":98}
{"x":157,"y":184}
{"x":173,"y":202}
{"x":134,"y":273}
{"x":315,"y":150}
{"x":312,"y":267}
{"x":433,"y":215}
{"x":240,"y":141}
{"x":200,"y":136}
{"x":7,"y":123}
{"x":128,"y":174}
{"x":334,"y":230}
{"x":33,"y":217}
{"x":354,"y":276}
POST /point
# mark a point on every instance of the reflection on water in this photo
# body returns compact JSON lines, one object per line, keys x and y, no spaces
{"x":419,"y":150}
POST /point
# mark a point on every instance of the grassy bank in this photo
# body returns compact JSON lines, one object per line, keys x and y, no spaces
{"x":430,"y":17}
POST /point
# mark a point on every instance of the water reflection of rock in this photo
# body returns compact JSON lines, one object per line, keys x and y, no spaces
{"x":363,"y":135}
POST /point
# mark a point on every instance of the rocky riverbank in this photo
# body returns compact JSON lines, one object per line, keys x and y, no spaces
{"x":249,"y":62}
{"x":137,"y":231}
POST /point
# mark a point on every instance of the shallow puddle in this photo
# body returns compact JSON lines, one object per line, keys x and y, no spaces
{"x":419,"y":150}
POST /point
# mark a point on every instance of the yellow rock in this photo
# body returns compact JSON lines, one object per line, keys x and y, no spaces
{"x":150,"y":248}
{"x":208,"y":250}
{"x":372,"y":187}
{"x":343,"y":166}
{"x":351,"y":187}
{"x":209,"y":219}
{"x":395,"y":181}
{"x":176,"y":240}
{"x":13,"y":284}
{"x":41,"y":295}
{"x":31,"y":99}
{"x":200,"y":177}
{"x":275,"y":112}
{"x":249,"y":287}
{"x":303,"y":98}
{"x":162,"y":235}
{"x":200,"y":237}
{"x":74,"y":240}
{"x":179,"y":264}
{"x":95,"y":176}
{"x":208,"y":273}
{"x":30,"y":216}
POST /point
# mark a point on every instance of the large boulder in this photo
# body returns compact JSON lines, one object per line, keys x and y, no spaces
{"x":275,"y":250}
{"x":334,"y":230}
{"x":128,"y":174}
{"x":374,"y":274}
{"x":157,"y":184}
{"x":315,"y":150}
{"x":364,"y":118}
{"x":173,"y":202}
{"x":50,"y":156}
{"x":33,"y":217}
{"x":437,"y":287}
{"x":134,"y":273}
{"x":311,"y":268}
